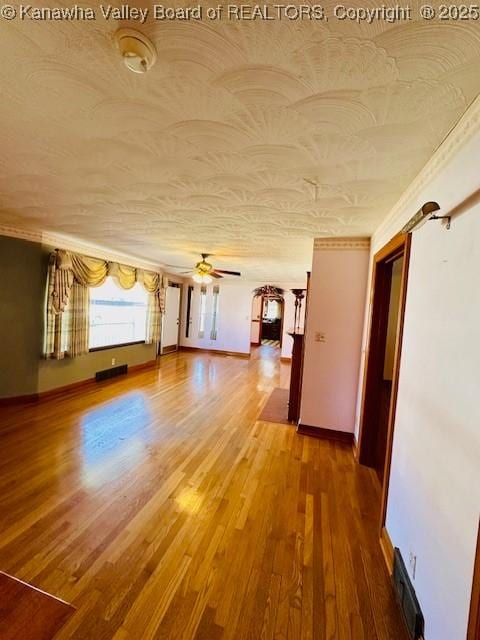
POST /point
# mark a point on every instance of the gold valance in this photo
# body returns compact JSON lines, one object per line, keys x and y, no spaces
{"x":92,"y":272}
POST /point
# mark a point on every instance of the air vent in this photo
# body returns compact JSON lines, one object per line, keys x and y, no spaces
{"x":407,"y":599}
{"x":111,"y":373}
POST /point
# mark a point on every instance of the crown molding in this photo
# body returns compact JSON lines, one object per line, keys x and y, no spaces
{"x":339,"y":243}
{"x":21,"y":234}
{"x":60,"y":241}
{"x":462,"y":132}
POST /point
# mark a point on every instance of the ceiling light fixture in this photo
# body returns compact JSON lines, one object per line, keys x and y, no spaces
{"x":138,"y":51}
{"x":202,"y":278}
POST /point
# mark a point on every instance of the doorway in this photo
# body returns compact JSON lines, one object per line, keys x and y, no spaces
{"x":171,"y":319}
{"x":267,"y":321}
{"x":382,"y":365}
{"x":272,"y":322}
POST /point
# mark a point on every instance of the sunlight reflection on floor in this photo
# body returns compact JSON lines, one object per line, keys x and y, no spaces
{"x":115,"y":438}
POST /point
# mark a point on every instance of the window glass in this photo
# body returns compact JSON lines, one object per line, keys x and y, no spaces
{"x":272,"y":310}
{"x":117,"y":316}
{"x":216,"y":293}
{"x":203,"y":311}
{"x":189,"y":311}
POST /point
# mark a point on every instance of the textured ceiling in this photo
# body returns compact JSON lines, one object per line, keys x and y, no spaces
{"x":212,"y":150}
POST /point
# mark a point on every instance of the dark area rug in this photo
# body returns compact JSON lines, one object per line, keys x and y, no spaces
{"x":276,"y":409}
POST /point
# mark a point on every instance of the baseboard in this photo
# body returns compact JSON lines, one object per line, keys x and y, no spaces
{"x":355,"y":448}
{"x":6,"y":402}
{"x":58,"y":391}
{"x":387,"y":549}
{"x":285,"y":359}
{"x":46,"y":395}
{"x":218,"y":352}
{"x":325,"y":434}
{"x":140,"y":367}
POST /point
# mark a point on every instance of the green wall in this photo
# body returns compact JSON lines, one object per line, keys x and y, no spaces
{"x":23,"y":371}
{"x":22,"y":290}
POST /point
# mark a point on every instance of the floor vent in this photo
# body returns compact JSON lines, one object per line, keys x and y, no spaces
{"x":111,"y":373}
{"x":407,"y":599}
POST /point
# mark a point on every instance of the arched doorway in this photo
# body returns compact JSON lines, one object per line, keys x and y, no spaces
{"x":267,"y":317}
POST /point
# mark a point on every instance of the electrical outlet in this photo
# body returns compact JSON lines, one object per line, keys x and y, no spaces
{"x":114,"y":361}
{"x":320,"y":336}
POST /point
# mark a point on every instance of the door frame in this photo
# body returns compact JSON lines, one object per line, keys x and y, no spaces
{"x":398,"y":246}
{"x":281,"y":301}
{"x":473,"y":632}
{"x":163,"y":352}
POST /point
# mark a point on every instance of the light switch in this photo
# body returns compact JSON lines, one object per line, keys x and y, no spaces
{"x":320,"y":336}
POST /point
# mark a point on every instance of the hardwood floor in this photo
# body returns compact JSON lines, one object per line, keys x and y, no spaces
{"x":27,"y":613}
{"x":160,"y":508}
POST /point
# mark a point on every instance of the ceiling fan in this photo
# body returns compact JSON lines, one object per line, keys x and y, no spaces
{"x":203,"y":272}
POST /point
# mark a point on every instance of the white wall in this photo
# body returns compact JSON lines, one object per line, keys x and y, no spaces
{"x":434,"y":498}
{"x":289,"y":320}
{"x":336,"y":310}
{"x":234,"y":318}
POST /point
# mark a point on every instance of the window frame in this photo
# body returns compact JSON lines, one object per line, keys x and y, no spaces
{"x":202,"y":312}
{"x":215,"y":312}
{"x":119,"y":344}
{"x":115,"y":346}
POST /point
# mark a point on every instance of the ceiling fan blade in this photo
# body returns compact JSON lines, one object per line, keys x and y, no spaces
{"x":185,"y":272}
{"x":229,"y":273}
{"x":215,"y":274}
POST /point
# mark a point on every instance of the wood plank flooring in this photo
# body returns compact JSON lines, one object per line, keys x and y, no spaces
{"x":27,"y":613}
{"x":161,"y":508}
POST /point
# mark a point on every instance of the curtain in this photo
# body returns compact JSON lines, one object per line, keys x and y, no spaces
{"x":79,"y":320}
{"x":53,"y":325}
{"x":154,"y":284}
{"x":125,"y":277}
{"x":70,"y":276}
{"x":154,"y":318}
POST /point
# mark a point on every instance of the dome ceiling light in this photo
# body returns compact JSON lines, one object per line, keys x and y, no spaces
{"x":138,"y":51}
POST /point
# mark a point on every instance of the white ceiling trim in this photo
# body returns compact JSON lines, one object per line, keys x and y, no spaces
{"x":22,"y":234}
{"x":60,"y":241}
{"x":467,"y":127}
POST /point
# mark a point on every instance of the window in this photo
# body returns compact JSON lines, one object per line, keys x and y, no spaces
{"x":117,"y":316}
{"x":272,"y":310}
{"x":203,"y":311}
{"x":213,"y":332}
{"x":189,"y":311}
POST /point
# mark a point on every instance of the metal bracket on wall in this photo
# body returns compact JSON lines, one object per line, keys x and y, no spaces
{"x":447,"y":218}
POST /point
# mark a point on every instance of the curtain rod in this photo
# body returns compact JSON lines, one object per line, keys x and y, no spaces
{"x":427,"y":209}
{"x":425,"y":213}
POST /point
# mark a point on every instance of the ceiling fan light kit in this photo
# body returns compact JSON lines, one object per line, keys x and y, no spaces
{"x":204,"y":272}
{"x":138,"y":52}
{"x":202,"y":278}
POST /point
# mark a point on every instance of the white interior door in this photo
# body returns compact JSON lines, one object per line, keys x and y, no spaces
{"x":171,"y":320}
{"x":256,"y":320}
